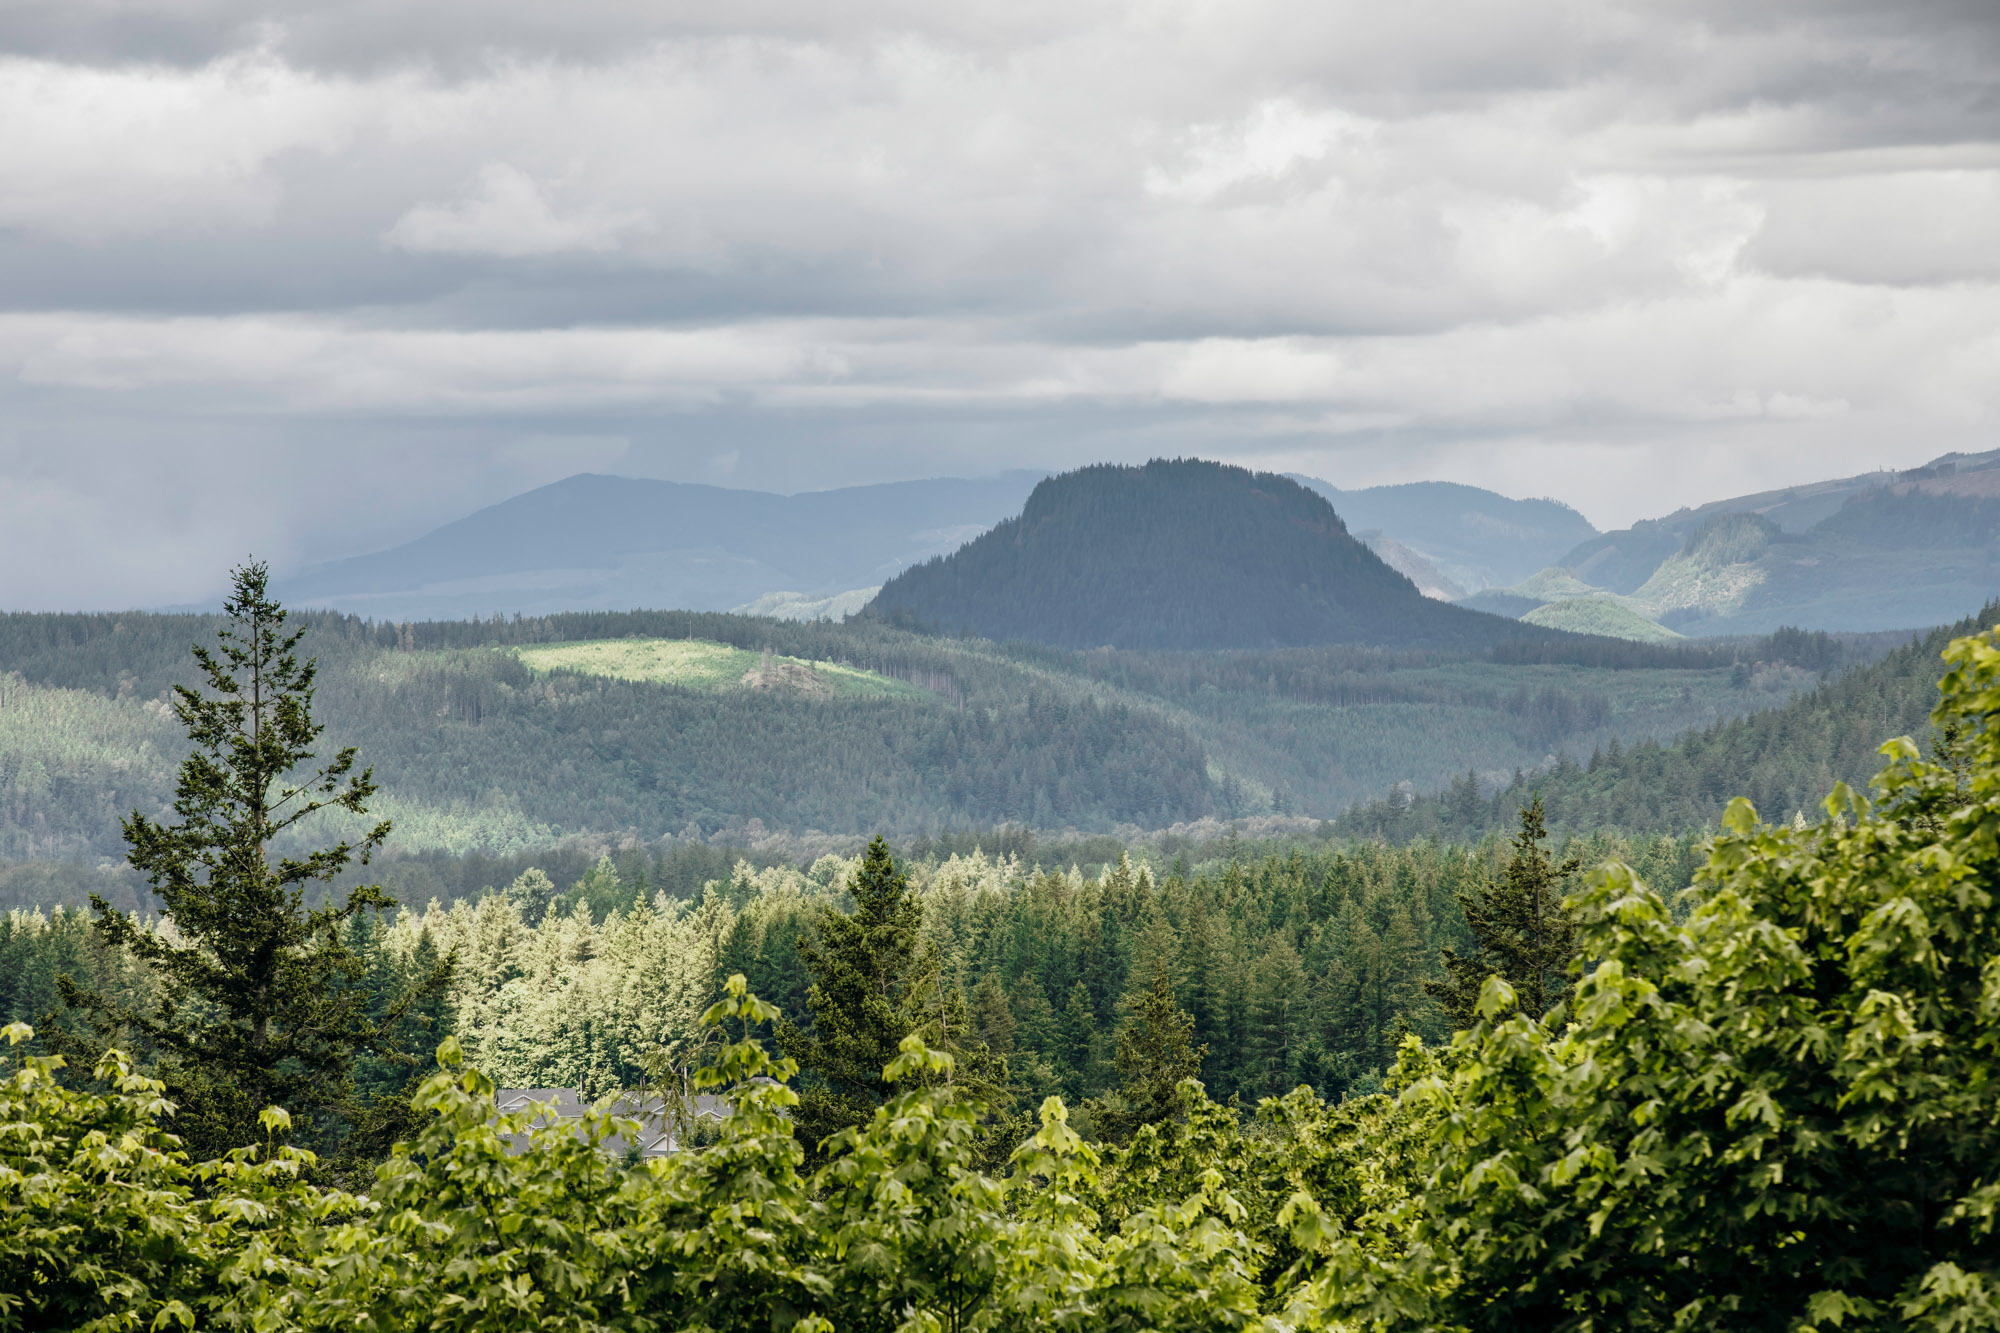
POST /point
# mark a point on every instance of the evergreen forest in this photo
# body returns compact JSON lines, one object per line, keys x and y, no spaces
{"x":1783,"y":759}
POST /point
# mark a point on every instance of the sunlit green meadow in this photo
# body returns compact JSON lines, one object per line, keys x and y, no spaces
{"x":703,"y":665}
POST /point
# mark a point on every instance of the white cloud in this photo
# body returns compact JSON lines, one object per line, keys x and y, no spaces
{"x":93,"y":153}
{"x":1891,"y":227}
{"x":330,"y":366}
{"x":508,"y":214}
{"x":1457,"y":237}
{"x":1260,"y":149}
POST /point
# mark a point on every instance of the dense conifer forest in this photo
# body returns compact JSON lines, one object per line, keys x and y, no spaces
{"x":1299,"y":967}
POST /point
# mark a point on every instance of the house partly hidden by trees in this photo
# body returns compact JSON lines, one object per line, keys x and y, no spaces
{"x":665,"y":1125}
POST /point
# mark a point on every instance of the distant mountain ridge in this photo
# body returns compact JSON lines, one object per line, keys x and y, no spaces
{"x":1876,"y":551}
{"x":595,"y":542}
{"x":1182,"y":554}
{"x":592,"y":542}
{"x":1473,"y":538}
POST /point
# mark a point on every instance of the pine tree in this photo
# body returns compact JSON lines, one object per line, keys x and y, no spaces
{"x":262,"y":1001}
{"x":992,"y":1018}
{"x":602,"y":889}
{"x":1078,"y":1025}
{"x":1519,"y":928}
{"x":875,"y":982}
{"x":1156,"y":1051}
{"x":1279,"y":1021}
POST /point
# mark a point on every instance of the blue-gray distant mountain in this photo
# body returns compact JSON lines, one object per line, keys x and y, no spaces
{"x":1473,"y":538}
{"x":615,"y":543}
{"x":1179,"y":555}
{"x":1883,"y":550}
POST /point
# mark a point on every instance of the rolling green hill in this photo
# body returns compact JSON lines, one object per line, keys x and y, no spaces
{"x":496,"y":736}
{"x":1179,"y":555}
{"x":700,"y":664}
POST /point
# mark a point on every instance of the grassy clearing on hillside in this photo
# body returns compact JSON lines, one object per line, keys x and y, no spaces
{"x":1600,"y":615}
{"x":699,"y":664}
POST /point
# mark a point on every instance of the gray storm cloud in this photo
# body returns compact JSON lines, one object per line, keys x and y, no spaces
{"x":364,"y":266}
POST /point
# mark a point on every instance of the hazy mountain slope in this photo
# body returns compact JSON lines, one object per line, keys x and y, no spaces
{"x":1412,"y":566}
{"x":1473,"y":537}
{"x":1182,"y":554}
{"x":793,"y":606}
{"x":1620,"y":561}
{"x":1721,"y":565}
{"x":1875,"y":551}
{"x":1893,"y":557}
{"x":596,"y":542}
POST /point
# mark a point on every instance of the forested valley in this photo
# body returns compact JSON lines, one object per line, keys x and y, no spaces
{"x":1782,"y":759}
{"x":483,"y":753}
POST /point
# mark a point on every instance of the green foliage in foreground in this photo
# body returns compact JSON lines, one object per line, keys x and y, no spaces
{"x":899,"y":1230}
{"x":1779,"y":1110}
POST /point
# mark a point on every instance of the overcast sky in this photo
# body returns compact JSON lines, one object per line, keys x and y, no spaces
{"x":309,"y":278}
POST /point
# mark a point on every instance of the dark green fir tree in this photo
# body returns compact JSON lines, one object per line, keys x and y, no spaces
{"x":1156,"y":1051}
{"x":875,"y":980}
{"x":1520,"y":931}
{"x":262,"y":998}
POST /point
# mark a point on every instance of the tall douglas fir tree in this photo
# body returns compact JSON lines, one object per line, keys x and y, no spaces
{"x":875,"y":980}
{"x":261,"y":1002}
{"x":1156,"y":1051}
{"x":1519,"y":928}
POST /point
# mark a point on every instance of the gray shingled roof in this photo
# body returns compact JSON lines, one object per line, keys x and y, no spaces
{"x":555,"y":1105}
